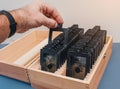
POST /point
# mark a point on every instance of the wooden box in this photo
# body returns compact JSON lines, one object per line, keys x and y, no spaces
{"x":17,"y":56}
{"x":58,"y":80}
{"x":20,"y":60}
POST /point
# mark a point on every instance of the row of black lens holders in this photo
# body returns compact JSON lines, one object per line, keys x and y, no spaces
{"x":80,"y":49}
{"x":83,"y":54}
{"x":54,"y":54}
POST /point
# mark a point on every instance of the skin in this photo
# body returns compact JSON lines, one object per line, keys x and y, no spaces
{"x":35,"y":14}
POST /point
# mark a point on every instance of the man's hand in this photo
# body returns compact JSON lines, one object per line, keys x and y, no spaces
{"x":36,"y":14}
{"x":33,"y":15}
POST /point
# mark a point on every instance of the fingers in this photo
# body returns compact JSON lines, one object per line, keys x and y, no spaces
{"x":53,"y":13}
{"x":50,"y":23}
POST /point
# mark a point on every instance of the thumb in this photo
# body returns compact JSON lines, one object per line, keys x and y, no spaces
{"x":49,"y":22}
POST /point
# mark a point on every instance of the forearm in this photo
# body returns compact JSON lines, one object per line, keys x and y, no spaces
{"x":5,"y":25}
{"x":21,"y":20}
{"x":4,"y":28}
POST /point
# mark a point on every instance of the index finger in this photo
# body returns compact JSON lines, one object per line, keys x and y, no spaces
{"x":52,"y":12}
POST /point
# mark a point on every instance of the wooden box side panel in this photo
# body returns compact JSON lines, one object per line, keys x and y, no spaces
{"x":13,"y":71}
{"x":44,"y":80}
{"x":21,"y":46}
{"x":95,"y":79}
{"x":41,"y":34}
